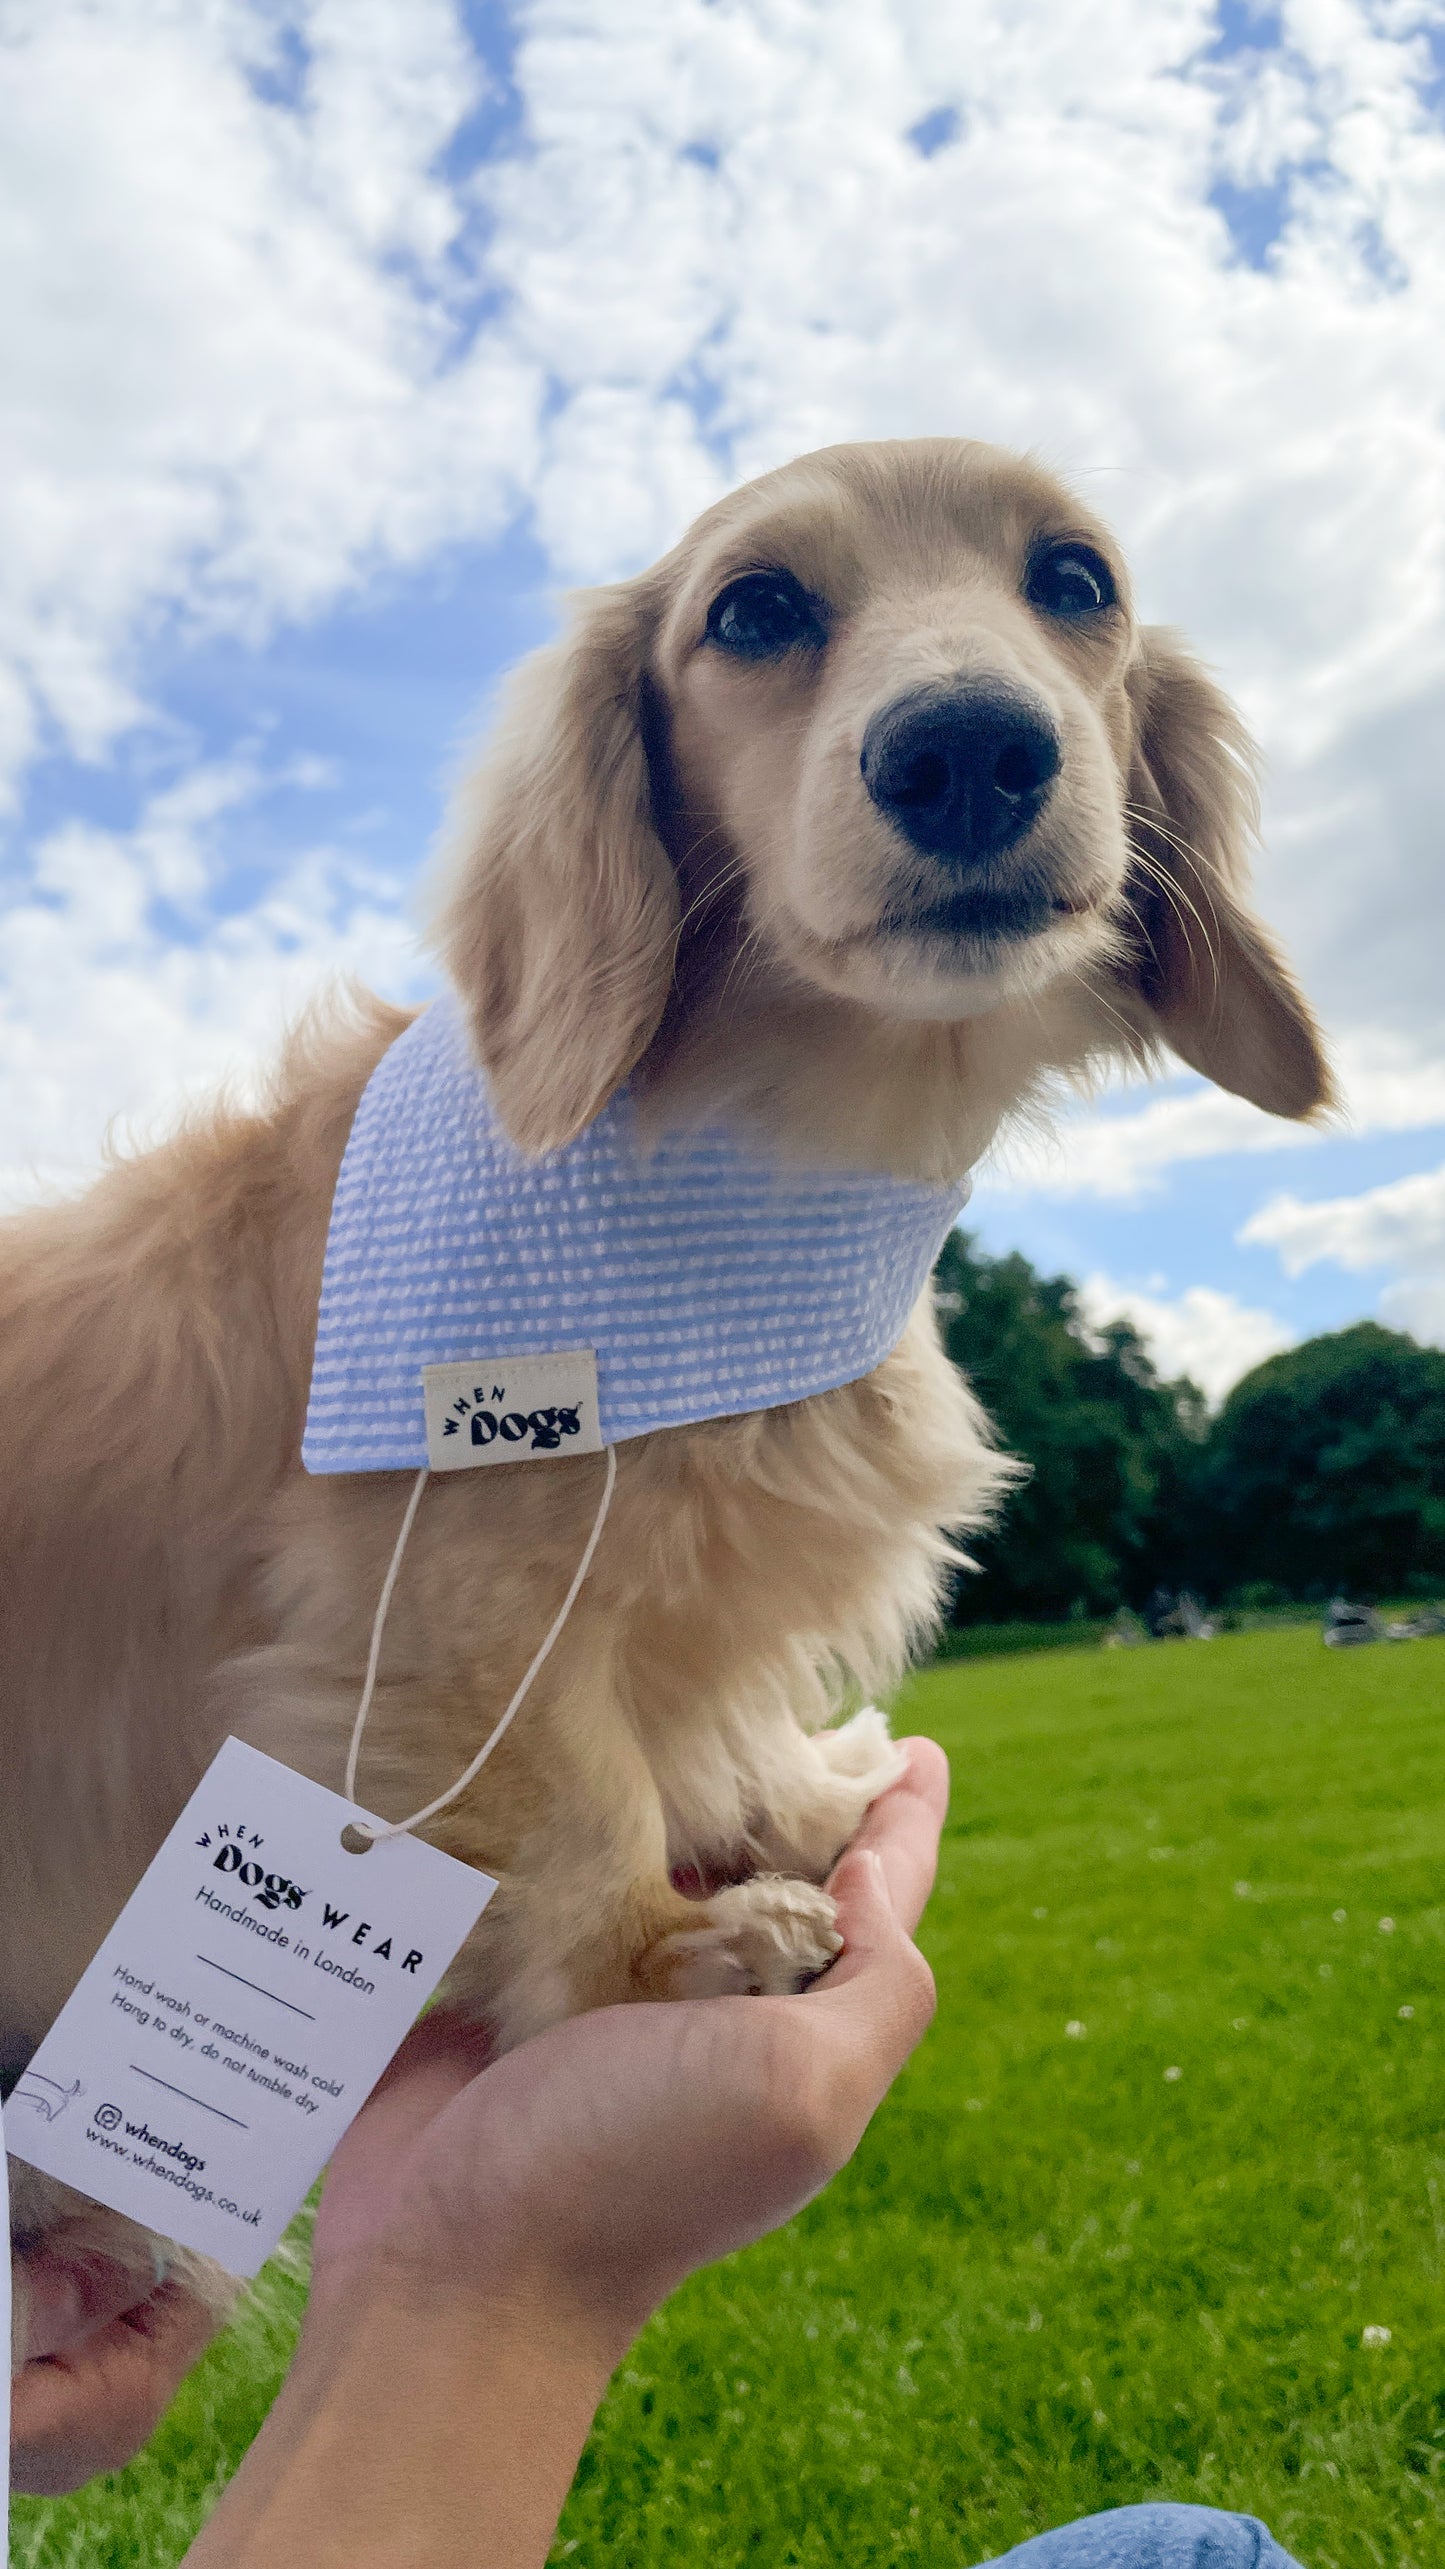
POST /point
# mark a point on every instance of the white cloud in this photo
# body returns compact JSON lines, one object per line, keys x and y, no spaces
{"x":1210,"y":1336}
{"x":1403,"y":1220}
{"x":1417,"y":1303}
{"x":111,"y":1017}
{"x":237,"y":375}
{"x":1123,"y":1153}
{"x":1400,"y":1225}
{"x":268,"y":335}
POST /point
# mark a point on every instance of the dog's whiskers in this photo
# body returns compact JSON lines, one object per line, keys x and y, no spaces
{"x":1173,"y":891}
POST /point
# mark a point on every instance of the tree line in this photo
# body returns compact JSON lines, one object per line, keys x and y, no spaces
{"x":1322,"y":1471}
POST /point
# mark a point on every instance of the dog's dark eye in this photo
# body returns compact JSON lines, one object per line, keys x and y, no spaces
{"x":1070,"y":580}
{"x":763,"y":615}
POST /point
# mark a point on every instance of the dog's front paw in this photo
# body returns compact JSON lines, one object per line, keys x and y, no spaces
{"x":760,"y":1939}
{"x":865,"y":1750}
{"x":813,"y":1809}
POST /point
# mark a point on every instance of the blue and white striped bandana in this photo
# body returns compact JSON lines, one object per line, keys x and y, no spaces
{"x":708,"y":1279}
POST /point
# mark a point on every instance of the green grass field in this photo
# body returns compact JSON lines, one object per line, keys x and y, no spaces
{"x":1069,"y":2269}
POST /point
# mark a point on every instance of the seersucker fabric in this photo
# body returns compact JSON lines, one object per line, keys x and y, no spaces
{"x":708,"y":1278}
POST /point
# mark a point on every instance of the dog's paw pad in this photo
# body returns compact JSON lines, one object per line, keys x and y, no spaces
{"x":762,"y":1939}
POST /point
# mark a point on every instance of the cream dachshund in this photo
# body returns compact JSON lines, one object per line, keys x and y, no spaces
{"x":862,"y":820}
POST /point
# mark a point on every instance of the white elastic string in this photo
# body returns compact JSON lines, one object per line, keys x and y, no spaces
{"x":398,"y":1828}
{"x":378,"y":1627}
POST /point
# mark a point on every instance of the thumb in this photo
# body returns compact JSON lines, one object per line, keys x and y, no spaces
{"x":880,"y":1964}
{"x":879,"y":1994}
{"x":867,"y":1919}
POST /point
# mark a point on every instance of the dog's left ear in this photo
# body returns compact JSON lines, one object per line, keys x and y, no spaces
{"x":1212,"y":981}
{"x":561,"y":916}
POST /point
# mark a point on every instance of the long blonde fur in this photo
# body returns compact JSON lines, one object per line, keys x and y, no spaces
{"x":665,"y":868}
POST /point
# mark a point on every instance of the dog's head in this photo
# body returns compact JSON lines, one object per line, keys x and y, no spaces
{"x":873,"y":784}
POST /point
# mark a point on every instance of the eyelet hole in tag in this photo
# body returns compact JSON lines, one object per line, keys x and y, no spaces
{"x":357,"y":1841}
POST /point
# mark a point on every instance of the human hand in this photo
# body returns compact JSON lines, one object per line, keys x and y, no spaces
{"x":588,"y":2172}
{"x":584,"y":2174}
{"x":492,"y":2235}
{"x":103,"y":2360}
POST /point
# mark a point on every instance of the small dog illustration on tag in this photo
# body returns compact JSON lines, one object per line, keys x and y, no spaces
{"x":46,"y":2094}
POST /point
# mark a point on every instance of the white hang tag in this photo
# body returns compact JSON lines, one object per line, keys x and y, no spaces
{"x":241,"y":2010}
{"x":511,"y":1409}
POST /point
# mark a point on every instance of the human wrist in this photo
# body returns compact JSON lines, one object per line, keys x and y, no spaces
{"x":414,"y":2432}
{"x":512,"y":2289}
{"x":537,"y":2234}
{"x":484,"y":2300}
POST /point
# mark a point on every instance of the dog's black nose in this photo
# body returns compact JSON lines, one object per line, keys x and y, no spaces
{"x":963,"y":771}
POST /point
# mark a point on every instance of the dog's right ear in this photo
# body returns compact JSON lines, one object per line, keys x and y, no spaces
{"x":561,"y":917}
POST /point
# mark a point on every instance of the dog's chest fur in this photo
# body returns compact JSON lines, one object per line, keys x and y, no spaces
{"x":175,"y":1576}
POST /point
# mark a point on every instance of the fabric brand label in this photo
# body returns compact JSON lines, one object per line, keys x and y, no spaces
{"x":511,"y":1409}
{"x":241,"y":2010}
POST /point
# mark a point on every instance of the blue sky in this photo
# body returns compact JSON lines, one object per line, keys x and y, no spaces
{"x":342,"y":338}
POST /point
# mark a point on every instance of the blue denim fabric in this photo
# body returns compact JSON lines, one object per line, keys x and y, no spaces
{"x":1152,"y":2537}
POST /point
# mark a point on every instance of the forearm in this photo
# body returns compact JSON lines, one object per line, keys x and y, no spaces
{"x":407,"y":2438}
{"x":491,"y":2238}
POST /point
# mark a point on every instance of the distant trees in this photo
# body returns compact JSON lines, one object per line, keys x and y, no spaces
{"x":1099,"y":1522}
{"x":1323,"y":1470}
